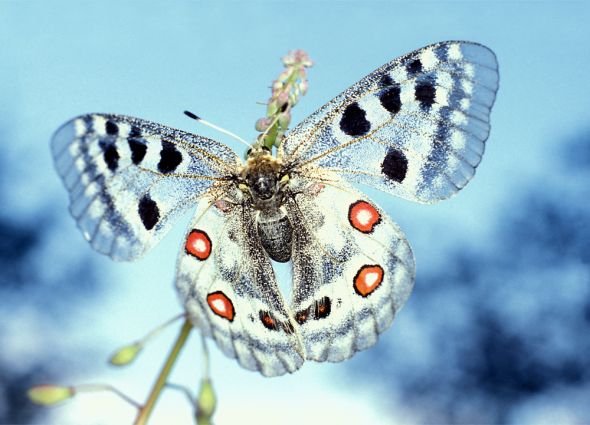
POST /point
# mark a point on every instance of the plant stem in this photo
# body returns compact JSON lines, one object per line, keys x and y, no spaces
{"x":154,"y":332}
{"x":105,"y":387}
{"x":146,"y":410}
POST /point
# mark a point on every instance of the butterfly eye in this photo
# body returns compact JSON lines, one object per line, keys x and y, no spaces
{"x":256,"y":150}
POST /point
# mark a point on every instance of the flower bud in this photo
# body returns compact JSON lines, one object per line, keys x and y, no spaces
{"x":284,"y":119}
{"x":277,"y":86}
{"x":303,"y":86}
{"x":262,"y":124}
{"x":48,"y":395}
{"x":206,"y":402}
{"x":283,"y":76}
{"x":125,"y":355}
{"x":282,"y":98}
{"x":272,"y":108}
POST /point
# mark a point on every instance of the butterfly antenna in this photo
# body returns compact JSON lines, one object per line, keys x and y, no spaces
{"x":222,"y":130}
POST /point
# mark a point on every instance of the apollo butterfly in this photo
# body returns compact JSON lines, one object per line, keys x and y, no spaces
{"x":416,"y":128}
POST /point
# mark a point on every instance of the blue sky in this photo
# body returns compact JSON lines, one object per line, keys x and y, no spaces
{"x":155,"y":59}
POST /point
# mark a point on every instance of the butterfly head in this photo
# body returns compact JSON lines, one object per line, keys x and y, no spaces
{"x":261,"y":177}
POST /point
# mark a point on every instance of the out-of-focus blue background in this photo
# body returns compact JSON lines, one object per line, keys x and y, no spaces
{"x":497,"y":329}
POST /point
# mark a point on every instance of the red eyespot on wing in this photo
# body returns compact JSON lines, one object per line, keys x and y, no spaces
{"x":221,"y":305}
{"x":367,"y":279}
{"x":363,"y":216}
{"x":198,"y":244}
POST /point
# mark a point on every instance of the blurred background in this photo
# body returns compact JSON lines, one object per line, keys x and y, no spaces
{"x":497,"y":329}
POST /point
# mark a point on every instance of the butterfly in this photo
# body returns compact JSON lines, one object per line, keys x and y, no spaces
{"x":415,"y":127}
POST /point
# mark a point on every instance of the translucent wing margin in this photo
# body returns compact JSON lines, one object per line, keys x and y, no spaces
{"x":416,"y":127}
{"x":228,"y":287}
{"x":127,"y":178}
{"x":353,"y":270}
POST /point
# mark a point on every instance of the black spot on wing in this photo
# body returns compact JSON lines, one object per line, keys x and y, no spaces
{"x":442,"y":51}
{"x":272,"y":324}
{"x":111,"y":128}
{"x":287,"y":328}
{"x":425,"y":93}
{"x":395,"y":165}
{"x":89,"y":123}
{"x":110,"y":154}
{"x":138,"y":149}
{"x":268,"y":320}
{"x":354,"y":122}
{"x":414,"y":67}
{"x":390,"y":99}
{"x":322,"y":308}
{"x":135,"y":132}
{"x":170,"y":158}
{"x":148,"y":212}
{"x":385,"y":81}
{"x":302,"y":315}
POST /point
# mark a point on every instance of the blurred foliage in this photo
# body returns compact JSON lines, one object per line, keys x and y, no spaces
{"x":504,"y":326}
{"x":35,"y":284}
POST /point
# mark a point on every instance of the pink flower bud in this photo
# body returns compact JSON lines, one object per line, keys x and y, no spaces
{"x":282,"y":98}
{"x":262,"y":124}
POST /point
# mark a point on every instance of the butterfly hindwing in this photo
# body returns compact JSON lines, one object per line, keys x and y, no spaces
{"x":352,"y":270}
{"x":229,"y":289}
{"x":127,"y":178}
{"x":415,"y":127}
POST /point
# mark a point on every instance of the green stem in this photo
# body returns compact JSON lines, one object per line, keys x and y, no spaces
{"x":105,"y":387}
{"x":146,"y":410}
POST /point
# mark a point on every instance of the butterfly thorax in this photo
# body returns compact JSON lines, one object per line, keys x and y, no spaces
{"x":264,"y":185}
{"x":261,"y":180}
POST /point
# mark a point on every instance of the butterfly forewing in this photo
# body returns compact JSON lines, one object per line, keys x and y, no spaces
{"x":128,"y":178}
{"x":415,"y":127}
{"x":230,"y":292}
{"x":353,"y":270}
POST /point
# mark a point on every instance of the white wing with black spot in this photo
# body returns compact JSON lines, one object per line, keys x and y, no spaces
{"x":227,"y":284}
{"x":416,"y":127}
{"x":128,"y":178}
{"x":353,"y":270}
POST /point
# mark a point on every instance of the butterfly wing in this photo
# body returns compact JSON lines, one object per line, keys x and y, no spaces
{"x":228,"y":286}
{"x":352,"y":270}
{"x":416,"y":127}
{"x":128,"y":178}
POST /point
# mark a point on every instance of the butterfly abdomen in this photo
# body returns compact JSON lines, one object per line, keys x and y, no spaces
{"x":275,"y":231}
